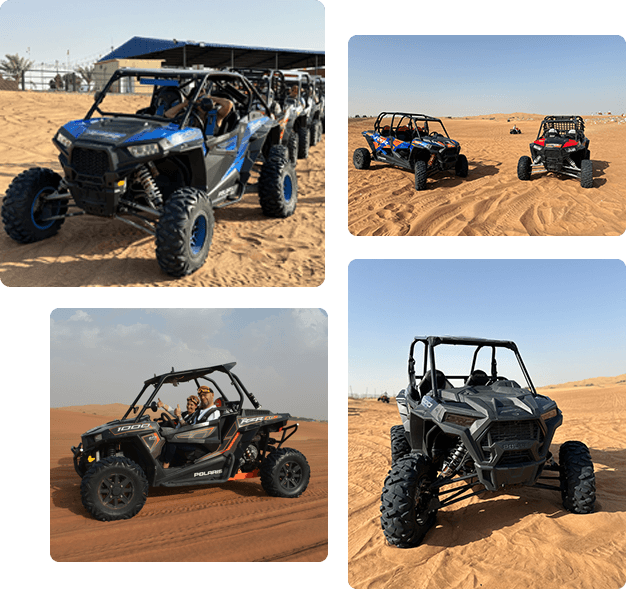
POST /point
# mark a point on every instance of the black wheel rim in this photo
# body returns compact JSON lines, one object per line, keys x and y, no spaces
{"x":116,"y":491}
{"x":290,"y":475}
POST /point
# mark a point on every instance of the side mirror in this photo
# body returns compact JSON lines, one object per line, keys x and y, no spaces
{"x":154,"y":406}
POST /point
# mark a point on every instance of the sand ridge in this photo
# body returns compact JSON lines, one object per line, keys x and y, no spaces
{"x":233,"y":522}
{"x":519,"y":540}
{"x":491,"y":200}
{"x":248,"y":248}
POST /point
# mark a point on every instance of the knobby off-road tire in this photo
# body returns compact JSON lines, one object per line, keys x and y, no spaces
{"x":461,"y":168}
{"x":316,"y":132}
{"x":285,"y":472}
{"x":361,"y":158}
{"x":578,"y":481}
{"x":524,"y":168}
{"x":278,"y":184}
{"x":304,"y":141}
{"x":586,"y":174}
{"x":405,"y":517}
{"x":399,"y":444}
{"x":421,"y":175}
{"x":293,"y":142}
{"x":114,"y":488}
{"x":24,"y":209}
{"x":184,"y":232}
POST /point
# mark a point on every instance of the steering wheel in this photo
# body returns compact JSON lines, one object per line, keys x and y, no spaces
{"x":195,"y":120}
{"x":166,"y":421}
{"x":494,"y":380}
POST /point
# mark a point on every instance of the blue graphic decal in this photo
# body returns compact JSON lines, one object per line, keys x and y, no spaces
{"x":243,"y":148}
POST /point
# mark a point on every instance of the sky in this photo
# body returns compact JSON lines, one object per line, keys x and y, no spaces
{"x":45,"y":31}
{"x":102,"y":356}
{"x":473,"y":75}
{"x":567,"y":317}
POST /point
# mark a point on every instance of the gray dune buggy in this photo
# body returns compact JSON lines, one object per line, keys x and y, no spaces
{"x":119,"y":461}
{"x":156,"y":170}
{"x":415,"y":142}
{"x":484,"y":433}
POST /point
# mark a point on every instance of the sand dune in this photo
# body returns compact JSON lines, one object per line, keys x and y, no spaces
{"x":491,"y":200}
{"x":233,"y":522}
{"x":248,"y":248}
{"x":518,"y":540}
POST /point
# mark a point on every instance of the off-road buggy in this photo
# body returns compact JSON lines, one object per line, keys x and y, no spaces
{"x":167,"y":174}
{"x":384,"y":398}
{"x":120,"y":460}
{"x":297,"y":102}
{"x":561,"y":147}
{"x":485,"y":433}
{"x":412,"y":141}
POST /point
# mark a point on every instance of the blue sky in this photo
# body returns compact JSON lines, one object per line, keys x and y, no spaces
{"x":472,"y":75}
{"x":103,"y":356}
{"x":89,"y":28}
{"x":568,"y":317}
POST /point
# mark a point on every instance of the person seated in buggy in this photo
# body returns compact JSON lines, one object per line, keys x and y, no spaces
{"x":206,"y":413}
{"x":181,"y":418}
{"x":212,"y":110}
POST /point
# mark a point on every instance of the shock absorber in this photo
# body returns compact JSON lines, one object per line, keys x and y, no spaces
{"x":152,"y":191}
{"x":456,"y":459}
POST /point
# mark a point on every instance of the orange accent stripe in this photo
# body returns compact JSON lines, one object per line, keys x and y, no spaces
{"x":246,"y":475}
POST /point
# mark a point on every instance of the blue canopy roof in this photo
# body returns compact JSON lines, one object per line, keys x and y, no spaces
{"x":188,"y":53}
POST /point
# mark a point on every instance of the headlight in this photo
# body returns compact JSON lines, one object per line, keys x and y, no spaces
{"x":464,"y":420}
{"x":63,"y":140}
{"x":570,"y":149}
{"x":549,"y":414}
{"x":144,"y":150}
{"x":535,"y":146}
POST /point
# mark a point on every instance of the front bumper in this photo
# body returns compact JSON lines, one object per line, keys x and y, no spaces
{"x":83,"y":460}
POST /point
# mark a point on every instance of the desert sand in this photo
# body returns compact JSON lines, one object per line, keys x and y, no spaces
{"x":233,"y":522}
{"x":521,"y":540}
{"x":492,"y":200}
{"x":248,"y":248}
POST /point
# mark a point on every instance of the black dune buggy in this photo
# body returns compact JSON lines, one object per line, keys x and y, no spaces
{"x":415,"y":142}
{"x":561,"y":146}
{"x":166,"y":174}
{"x":120,"y":460}
{"x":486,"y":433}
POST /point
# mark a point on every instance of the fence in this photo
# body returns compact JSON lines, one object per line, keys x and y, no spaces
{"x":59,"y":80}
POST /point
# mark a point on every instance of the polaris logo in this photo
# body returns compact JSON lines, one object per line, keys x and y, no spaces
{"x":206,"y":473}
{"x":513,"y":446}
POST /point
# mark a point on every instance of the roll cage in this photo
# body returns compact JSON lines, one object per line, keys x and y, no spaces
{"x":417,"y":124}
{"x":429,"y":366}
{"x":191,"y":83}
{"x":196,"y":375}
{"x":562,"y":124}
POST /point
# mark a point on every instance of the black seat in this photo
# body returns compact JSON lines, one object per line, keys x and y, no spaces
{"x":478,"y":378}
{"x":426,"y":386}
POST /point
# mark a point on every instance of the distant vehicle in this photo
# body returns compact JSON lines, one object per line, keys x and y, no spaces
{"x":384,"y":398}
{"x":515,"y":131}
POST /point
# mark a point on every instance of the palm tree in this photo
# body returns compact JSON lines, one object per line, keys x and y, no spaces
{"x":87,"y":74}
{"x":15,"y":66}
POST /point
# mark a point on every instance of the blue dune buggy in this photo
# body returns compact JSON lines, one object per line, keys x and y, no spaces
{"x":160,"y":169}
{"x":414,"y":142}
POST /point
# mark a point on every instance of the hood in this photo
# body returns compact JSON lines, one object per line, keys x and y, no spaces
{"x":435,"y":142}
{"x":101,"y":428}
{"x":502,"y":400}
{"x":124,"y":131}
